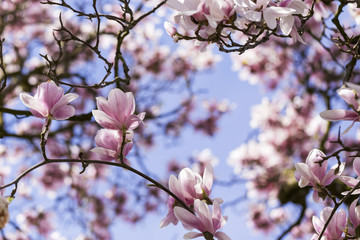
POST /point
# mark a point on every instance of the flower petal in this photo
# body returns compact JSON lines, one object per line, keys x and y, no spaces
{"x":105,"y":120}
{"x":286,"y":24}
{"x":222,"y":236}
{"x":186,"y":218}
{"x":64,"y":112}
{"x":339,"y":114}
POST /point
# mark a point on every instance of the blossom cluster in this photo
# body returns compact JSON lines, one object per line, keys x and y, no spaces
{"x":315,"y":173}
{"x":208,"y":18}
{"x":194,"y":191}
{"x":115,"y":115}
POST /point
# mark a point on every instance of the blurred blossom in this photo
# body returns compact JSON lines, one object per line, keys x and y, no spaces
{"x":201,"y":159}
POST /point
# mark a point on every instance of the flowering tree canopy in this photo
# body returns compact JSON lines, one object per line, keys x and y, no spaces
{"x":89,"y":88}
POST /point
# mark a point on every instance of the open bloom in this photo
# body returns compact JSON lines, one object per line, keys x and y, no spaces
{"x":190,"y":185}
{"x":208,"y":224}
{"x":50,"y":102}
{"x":336,"y":227}
{"x":109,"y":142}
{"x":351,"y":96}
{"x":314,"y":174}
{"x":118,"y":111}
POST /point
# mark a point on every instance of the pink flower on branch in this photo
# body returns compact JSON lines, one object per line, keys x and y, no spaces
{"x":350,"y":95}
{"x":50,"y":102}
{"x":118,"y":111}
{"x":189,"y":186}
{"x":208,"y":224}
{"x":109,"y":143}
{"x":336,"y":226}
{"x":314,"y":172}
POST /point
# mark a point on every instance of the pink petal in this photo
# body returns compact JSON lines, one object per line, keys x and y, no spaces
{"x":339,"y":114}
{"x":299,"y":6}
{"x":330,"y":175}
{"x":105,"y":120}
{"x":354,"y":86}
{"x":286,"y":24}
{"x":349,"y":97}
{"x":63,"y":101}
{"x":38,"y":109}
{"x":318,"y":224}
{"x":64,"y":112}
{"x":49,"y":93}
{"x":252,"y":15}
{"x":186,"y":218}
{"x":118,"y":105}
{"x":222,"y":236}
{"x":132,"y":122}
{"x":350,"y":181}
{"x":306,"y":173}
{"x":208,"y":178}
{"x":191,"y":235}
{"x":205,"y":216}
{"x":175,"y":187}
{"x":105,"y":154}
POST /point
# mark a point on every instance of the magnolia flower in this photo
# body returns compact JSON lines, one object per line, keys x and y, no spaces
{"x":351,"y":96}
{"x":208,"y":224}
{"x":336,"y":226}
{"x":190,"y":185}
{"x":118,"y":111}
{"x":50,"y":102}
{"x":109,"y":142}
{"x":314,"y":174}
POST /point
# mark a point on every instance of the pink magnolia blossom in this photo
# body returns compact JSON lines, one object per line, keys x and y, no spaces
{"x":109,"y":142}
{"x":204,"y":221}
{"x":350,"y":181}
{"x":190,"y":185}
{"x":354,"y":217}
{"x":350,"y":95}
{"x":50,"y":102}
{"x":118,"y":111}
{"x":336,"y":227}
{"x":314,"y":174}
